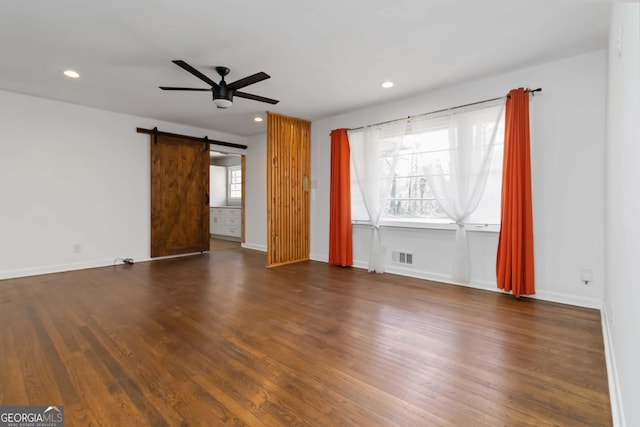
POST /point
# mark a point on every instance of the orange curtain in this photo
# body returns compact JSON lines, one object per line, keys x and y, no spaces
{"x":514,"y":264}
{"x":340,"y":249}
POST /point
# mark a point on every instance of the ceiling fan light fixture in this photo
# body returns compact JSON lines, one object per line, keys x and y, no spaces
{"x":222,"y":103}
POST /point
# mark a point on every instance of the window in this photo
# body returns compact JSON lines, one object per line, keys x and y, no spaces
{"x":234,"y":182}
{"x":435,"y":150}
{"x":410,"y":196}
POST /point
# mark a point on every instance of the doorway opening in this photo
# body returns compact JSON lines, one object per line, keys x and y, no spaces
{"x":226,"y":196}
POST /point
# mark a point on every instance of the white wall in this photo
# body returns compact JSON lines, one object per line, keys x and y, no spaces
{"x":74,"y":185}
{"x":568,"y":134}
{"x":255,"y":190}
{"x":226,"y":161}
{"x":217,"y":185}
{"x":621,"y":315}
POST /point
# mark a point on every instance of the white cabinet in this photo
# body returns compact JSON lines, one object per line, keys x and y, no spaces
{"x":215,"y":221}
{"x":226,"y":221}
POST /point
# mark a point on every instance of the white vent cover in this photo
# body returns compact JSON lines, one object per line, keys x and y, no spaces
{"x":402,"y":257}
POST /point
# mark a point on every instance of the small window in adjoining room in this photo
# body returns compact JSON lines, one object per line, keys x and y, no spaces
{"x":234,"y":182}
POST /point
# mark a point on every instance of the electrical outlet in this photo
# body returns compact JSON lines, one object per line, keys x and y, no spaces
{"x":611,"y":321}
{"x":77,"y":248}
{"x":619,"y":41}
{"x":586,"y":275}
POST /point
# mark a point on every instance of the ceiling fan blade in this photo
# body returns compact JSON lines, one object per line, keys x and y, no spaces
{"x":198,"y":74}
{"x":184,"y":88}
{"x":255,"y":97}
{"x":257,"y":77}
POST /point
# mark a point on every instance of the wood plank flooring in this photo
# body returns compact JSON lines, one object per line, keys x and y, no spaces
{"x":219,"y":339}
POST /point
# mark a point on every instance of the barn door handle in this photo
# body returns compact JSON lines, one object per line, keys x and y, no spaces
{"x":207,"y":197}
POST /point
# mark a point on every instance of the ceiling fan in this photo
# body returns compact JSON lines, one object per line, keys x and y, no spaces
{"x":224,"y":92}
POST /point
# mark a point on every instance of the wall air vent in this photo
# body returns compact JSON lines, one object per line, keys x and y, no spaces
{"x":402,"y":257}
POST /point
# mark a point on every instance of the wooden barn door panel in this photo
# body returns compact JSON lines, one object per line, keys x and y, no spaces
{"x":288,"y":170}
{"x":179,"y":196}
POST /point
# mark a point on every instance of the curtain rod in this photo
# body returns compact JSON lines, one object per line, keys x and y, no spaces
{"x":531,"y":91}
{"x":155,"y":131}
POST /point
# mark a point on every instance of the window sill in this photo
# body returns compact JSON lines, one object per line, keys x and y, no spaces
{"x":483,"y":228}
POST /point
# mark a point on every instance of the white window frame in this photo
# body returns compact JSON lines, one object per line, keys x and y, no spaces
{"x":430,"y":223}
{"x":231,"y":185}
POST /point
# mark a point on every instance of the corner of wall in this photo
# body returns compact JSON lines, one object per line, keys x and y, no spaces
{"x":617,"y":412}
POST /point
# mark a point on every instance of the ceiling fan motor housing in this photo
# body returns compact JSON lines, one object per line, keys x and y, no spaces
{"x":223,"y":92}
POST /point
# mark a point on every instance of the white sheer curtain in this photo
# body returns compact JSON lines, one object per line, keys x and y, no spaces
{"x":374,"y":168}
{"x":458,"y":176}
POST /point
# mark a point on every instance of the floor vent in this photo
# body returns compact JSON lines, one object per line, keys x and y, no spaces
{"x":400,"y":257}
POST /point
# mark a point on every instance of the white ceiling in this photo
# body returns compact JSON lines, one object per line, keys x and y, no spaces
{"x":324,"y":57}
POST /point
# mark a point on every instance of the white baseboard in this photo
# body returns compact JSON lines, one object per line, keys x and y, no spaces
{"x":434,"y":277}
{"x":617,"y":412}
{"x":255,"y":247}
{"x":567,"y":299}
{"x":487,"y":286}
{"x":317,"y":257}
{"x":60,"y":268}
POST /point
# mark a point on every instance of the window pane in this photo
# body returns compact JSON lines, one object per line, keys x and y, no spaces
{"x":235,"y":182}
{"x":411,"y":195}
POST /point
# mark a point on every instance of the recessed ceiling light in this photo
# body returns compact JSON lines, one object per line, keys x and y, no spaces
{"x":258,"y":119}
{"x":71,"y":73}
{"x":387,"y":84}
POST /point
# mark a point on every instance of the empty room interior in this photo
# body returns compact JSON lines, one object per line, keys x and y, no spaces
{"x":365,"y":213}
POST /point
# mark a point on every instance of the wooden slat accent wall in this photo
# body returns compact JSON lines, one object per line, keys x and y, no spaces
{"x":243,"y":167}
{"x":288,"y":172}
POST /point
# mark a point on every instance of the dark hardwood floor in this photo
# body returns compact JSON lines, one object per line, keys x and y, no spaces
{"x":219,"y":339}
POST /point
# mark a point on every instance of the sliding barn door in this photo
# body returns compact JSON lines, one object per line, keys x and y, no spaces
{"x":179,"y":196}
{"x":288,"y":167}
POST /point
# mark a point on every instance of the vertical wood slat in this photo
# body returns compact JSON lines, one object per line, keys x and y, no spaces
{"x":243,"y":168}
{"x":288,"y":165}
{"x":305,"y":174}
